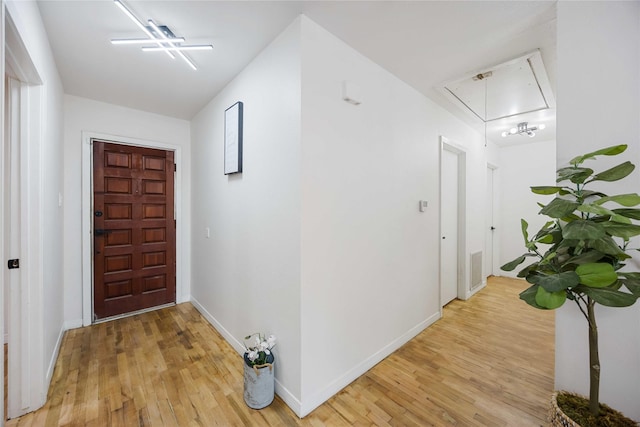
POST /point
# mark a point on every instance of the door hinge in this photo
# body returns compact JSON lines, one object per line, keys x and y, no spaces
{"x":175,"y":167}
{"x":13,"y":263}
{"x":175,"y":223}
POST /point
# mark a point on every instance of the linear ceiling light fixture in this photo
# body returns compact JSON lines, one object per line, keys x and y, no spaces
{"x":161,"y":36}
{"x":524,"y":129}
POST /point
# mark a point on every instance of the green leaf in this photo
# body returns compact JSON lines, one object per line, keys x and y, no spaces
{"x":588,"y":193}
{"x":511,"y":265}
{"x":608,"y":246}
{"x":545,"y":190}
{"x":629,"y":275}
{"x":523,"y":226}
{"x":615,"y":173}
{"x":596,"y":274}
{"x":633,"y":285}
{"x":628,"y":200}
{"x":608,"y":151}
{"x":629,"y":213}
{"x":528,"y":269}
{"x":529,"y":296}
{"x":609,"y":297}
{"x":555,"y":282}
{"x":548,"y":239}
{"x":583,"y":230}
{"x":559,"y":208}
{"x":620,"y":219}
{"x":626,"y":231}
{"x":550,"y":300}
{"x":585,"y":257}
{"x":594,"y":209}
{"x":575,"y":175}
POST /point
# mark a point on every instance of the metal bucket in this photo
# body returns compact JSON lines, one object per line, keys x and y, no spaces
{"x":258,"y":383}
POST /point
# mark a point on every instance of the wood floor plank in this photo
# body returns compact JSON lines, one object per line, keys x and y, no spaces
{"x":487,"y":362}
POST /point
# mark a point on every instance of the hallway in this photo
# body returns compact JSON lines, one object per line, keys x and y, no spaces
{"x":488,"y":362}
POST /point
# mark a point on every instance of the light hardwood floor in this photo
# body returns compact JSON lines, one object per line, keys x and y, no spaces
{"x":487,"y":362}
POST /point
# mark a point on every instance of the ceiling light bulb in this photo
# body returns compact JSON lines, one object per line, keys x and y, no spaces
{"x":513,"y":131}
{"x":542,"y":126}
{"x":505,"y":133}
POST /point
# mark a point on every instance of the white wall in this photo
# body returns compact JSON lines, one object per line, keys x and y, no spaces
{"x":523,"y":166}
{"x":246,"y":276}
{"x":598,"y":106}
{"x":320,"y":240}
{"x":84,"y":115}
{"x":45,"y":216}
{"x":370,"y":259}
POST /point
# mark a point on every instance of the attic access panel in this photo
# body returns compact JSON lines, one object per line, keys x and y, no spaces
{"x":515,"y":87}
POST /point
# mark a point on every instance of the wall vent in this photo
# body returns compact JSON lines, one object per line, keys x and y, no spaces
{"x":476,"y":269}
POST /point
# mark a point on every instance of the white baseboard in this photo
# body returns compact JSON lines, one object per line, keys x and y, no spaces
{"x":302,"y":409}
{"x":280,"y":390}
{"x":477,"y":289}
{"x":322,"y":396}
{"x":54,"y":357}
{"x":237,"y":345}
{"x":72,"y":324}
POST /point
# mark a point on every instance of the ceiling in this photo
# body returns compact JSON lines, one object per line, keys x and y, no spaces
{"x":424,"y":43}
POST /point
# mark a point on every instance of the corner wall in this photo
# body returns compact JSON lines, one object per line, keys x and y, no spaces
{"x":246,"y":274}
{"x":370,"y":259}
{"x":599,"y":106}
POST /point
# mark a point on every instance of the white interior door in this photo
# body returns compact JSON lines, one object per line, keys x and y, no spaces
{"x":14,"y":244}
{"x":489,"y":224}
{"x":449,"y":173}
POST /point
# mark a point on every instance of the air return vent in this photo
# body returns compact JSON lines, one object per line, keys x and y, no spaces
{"x":476,"y":269}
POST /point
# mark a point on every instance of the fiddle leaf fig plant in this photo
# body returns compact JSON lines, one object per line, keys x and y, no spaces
{"x":579,"y":253}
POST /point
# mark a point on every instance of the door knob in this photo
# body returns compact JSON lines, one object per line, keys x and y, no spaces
{"x":100,"y":232}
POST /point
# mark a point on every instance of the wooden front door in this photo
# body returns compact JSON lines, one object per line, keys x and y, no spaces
{"x":134,"y":229}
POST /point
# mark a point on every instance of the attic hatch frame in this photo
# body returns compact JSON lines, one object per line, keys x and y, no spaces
{"x":533,"y":59}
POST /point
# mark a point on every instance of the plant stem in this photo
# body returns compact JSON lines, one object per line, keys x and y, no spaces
{"x":594,"y":361}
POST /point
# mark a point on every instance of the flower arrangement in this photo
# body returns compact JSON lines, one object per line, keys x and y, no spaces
{"x":259,"y":348}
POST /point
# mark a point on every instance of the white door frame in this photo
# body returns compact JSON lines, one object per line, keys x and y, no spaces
{"x":2,"y":207}
{"x":27,"y":380}
{"x":495,"y":220}
{"x":87,"y":215}
{"x":460,"y":151}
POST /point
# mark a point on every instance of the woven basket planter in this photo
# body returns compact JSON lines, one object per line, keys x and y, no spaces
{"x":557,"y":418}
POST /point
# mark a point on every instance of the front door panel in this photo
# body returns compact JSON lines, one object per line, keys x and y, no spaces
{"x":134,"y":228}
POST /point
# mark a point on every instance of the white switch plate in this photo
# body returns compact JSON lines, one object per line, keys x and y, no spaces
{"x":423,"y":205}
{"x":207,"y":232}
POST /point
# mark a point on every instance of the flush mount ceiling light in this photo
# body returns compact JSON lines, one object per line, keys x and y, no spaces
{"x":160,"y":36}
{"x":524,"y":129}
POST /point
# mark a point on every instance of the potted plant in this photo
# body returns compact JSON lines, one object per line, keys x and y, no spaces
{"x":258,"y":370}
{"x":578,"y":256}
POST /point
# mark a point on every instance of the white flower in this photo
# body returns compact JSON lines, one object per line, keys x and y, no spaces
{"x":271,"y":341}
{"x":252,"y":355}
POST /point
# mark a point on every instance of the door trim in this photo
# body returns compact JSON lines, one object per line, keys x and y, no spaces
{"x":495,"y":220}
{"x":28,"y":375}
{"x":87,"y":217}
{"x":460,"y":151}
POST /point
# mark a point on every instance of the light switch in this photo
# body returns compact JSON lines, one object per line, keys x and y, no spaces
{"x":207,"y":232}
{"x":422,"y":205}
